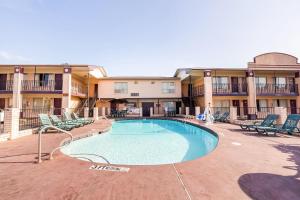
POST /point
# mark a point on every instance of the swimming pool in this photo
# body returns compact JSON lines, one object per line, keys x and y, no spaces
{"x":145,"y":142}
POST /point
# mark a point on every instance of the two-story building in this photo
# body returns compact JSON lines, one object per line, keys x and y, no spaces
{"x":271,"y":80}
{"x":132,"y":93}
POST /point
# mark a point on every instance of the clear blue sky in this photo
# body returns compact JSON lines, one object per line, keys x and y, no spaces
{"x":153,"y":37}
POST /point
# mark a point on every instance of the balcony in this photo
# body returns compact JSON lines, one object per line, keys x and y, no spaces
{"x":229,"y":89}
{"x":79,"y":91}
{"x":41,"y":87}
{"x":6,"y":86}
{"x":277,"y":90}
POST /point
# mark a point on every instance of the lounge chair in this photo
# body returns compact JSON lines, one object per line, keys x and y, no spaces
{"x":57,"y":122}
{"x":289,"y":126}
{"x":223,"y":117}
{"x":267,"y":122}
{"x":70,"y":120}
{"x":216,"y":114}
{"x":84,"y":120}
{"x":45,"y":121}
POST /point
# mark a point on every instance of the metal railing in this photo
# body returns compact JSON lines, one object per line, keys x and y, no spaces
{"x":6,"y":86}
{"x":276,"y":89}
{"x":254,"y":112}
{"x":293,"y":110}
{"x":41,"y":86}
{"x":79,"y":91}
{"x":229,"y":89}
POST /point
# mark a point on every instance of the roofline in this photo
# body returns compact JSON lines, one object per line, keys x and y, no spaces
{"x":139,"y":78}
{"x":274,"y":52}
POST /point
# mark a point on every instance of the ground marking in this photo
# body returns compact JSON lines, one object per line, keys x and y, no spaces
{"x":236,"y":143}
{"x":179,"y":178}
{"x":109,"y":168}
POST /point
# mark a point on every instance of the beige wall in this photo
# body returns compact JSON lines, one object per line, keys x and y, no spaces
{"x":143,"y":87}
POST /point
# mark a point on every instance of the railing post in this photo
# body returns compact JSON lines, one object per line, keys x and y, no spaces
{"x":282,"y":113}
{"x":233,"y":114}
{"x":95,"y":113}
{"x":11,"y":122}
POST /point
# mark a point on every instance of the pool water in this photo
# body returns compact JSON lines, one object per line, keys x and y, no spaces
{"x":145,"y":142}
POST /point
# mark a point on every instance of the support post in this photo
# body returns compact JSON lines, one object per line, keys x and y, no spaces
{"x":208,"y":89}
{"x":251,"y":94}
{"x":17,"y":87}
{"x":141,"y":112}
{"x":233,"y":114}
{"x":180,"y":110}
{"x":103,"y":111}
{"x":151,"y":111}
{"x":67,"y":87}
{"x":95,"y":113}
{"x":282,"y":113}
{"x":86,"y":112}
{"x":187,"y":110}
{"x":197,"y":111}
{"x":11,"y":122}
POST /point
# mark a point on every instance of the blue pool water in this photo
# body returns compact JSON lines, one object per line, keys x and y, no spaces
{"x":146,"y":142}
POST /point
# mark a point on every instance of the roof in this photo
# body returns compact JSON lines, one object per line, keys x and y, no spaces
{"x":139,"y":78}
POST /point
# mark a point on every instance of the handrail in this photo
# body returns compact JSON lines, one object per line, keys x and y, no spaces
{"x":40,"y":141}
{"x":90,"y":154}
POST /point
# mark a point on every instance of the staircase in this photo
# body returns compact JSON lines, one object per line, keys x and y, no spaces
{"x":186,"y":103}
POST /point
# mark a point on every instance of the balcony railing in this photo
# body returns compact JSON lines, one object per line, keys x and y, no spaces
{"x":229,"y":89}
{"x":6,"y":86}
{"x":198,"y":91}
{"x":33,"y":86}
{"x":277,"y":89}
{"x":79,"y":91}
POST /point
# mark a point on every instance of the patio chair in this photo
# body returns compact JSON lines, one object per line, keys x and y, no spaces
{"x":57,"y":122}
{"x":267,"y":122}
{"x":84,"y":120}
{"x":289,"y":126}
{"x":216,"y":114}
{"x":70,"y":120}
{"x":45,"y":121}
{"x":223,"y":117}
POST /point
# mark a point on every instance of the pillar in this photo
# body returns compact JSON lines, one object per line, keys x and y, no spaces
{"x":233,"y":114}
{"x":197,"y":111}
{"x":180,"y":110}
{"x":208,"y":90}
{"x":103,"y":111}
{"x":141,"y":112}
{"x":95,"y":113}
{"x":282,"y":113}
{"x":86,"y":112}
{"x":11,"y":122}
{"x":251,"y":99}
{"x":187,"y":110}
{"x":151,"y":112}
{"x":297,"y":82}
{"x":17,"y":87}
{"x":67,"y":87}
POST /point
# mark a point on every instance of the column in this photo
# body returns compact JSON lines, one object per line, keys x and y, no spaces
{"x":95,"y":113}
{"x":141,"y":112}
{"x":187,"y":110}
{"x":297,"y":82}
{"x":233,"y":114}
{"x":197,"y":111}
{"x":17,"y":87}
{"x":103,"y":111}
{"x":11,"y":122}
{"x":282,"y":113}
{"x":67,"y":87}
{"x":208,"y":89}
{"x":151,"y":111}
{"x":251,"y":94}
{"x":86,"y":112}
{"x":180,"y":110}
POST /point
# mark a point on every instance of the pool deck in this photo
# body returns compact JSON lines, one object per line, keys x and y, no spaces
{"x":243,"y":166}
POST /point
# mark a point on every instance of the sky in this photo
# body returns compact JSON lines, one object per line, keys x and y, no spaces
{"x":147,"y":37}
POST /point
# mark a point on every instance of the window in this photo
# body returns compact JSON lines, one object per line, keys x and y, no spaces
{"x":280,"y":103}
{"x":260,"y":81}
{"x":280,"y":82}
{"x":222,"y":103}
{"x":37,"y":102}
{"x":121,"y":88}
{"x":261,"y":104}
{"x":168,"y":87}
{"x":220,"y":82}
{"x":169,"y":106}
{"x":42,"y":79}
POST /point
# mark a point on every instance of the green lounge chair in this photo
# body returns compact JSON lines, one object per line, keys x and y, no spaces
{"x":57,"y":121}
{"x":216,"y":115}
{"x":267,"y":122}
{"x":84,"y":120}
{"x":289,"y":126}
{"x":223,"y":117}
{"x":70,"y":120}
{"x":45,"y":121}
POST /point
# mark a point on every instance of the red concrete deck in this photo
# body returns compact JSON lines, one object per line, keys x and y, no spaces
{"x":260,"y":167}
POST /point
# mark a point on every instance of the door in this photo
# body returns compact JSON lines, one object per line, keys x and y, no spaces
{"x":236,"y":103}
{"x":146,"y":108}
{"x":245,"y":105}
{"x":293,"y":106}
{"x":234,"y":84}
{"x":178,"y":105}
{"x":58,"y":82}
{"x":57,"y":106}
{"x":244,"y":85}
{"x":3,"y":78}
{"x":2,"y":103}
{"x":96,"y":91}
{"x":291,"y":85}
